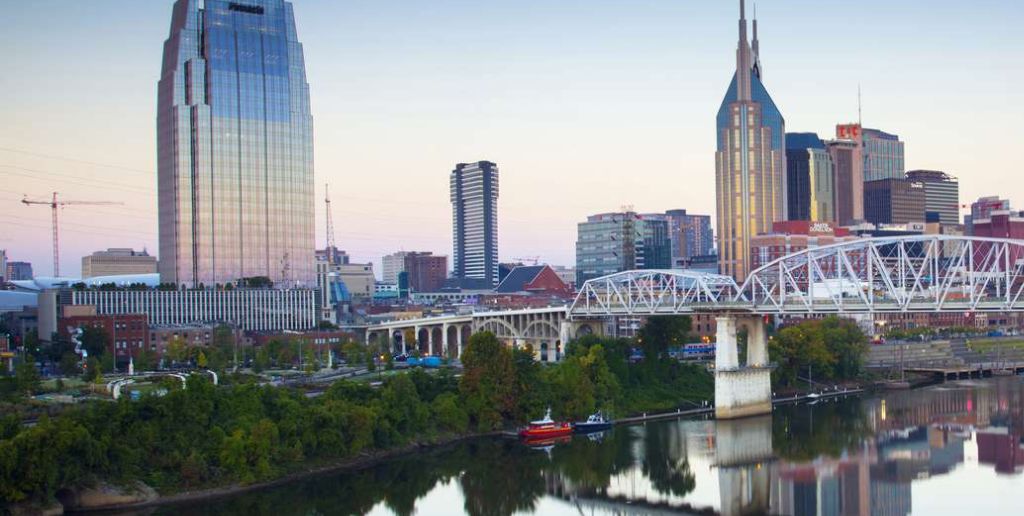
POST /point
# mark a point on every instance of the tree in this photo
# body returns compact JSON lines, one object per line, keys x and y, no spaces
{"x":662,"y":332}
{"x":26,"y":378}
{"x":144,"y":360}
{"x":93,"y":370}
{"x":201,"y":360}
{"x":488,"y":383}
{"x":177,"y":349}
{"x":95,"y":340}
{"x":69,"y":364}
{"x":354,"y":352}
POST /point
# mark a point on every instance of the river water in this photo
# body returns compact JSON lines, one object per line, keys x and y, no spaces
{"x":954,"y":448}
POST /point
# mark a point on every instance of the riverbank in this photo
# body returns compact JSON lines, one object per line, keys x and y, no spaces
{"x":363,"y":461}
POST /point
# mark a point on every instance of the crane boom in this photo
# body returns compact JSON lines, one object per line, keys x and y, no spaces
{"x":54,"y":204}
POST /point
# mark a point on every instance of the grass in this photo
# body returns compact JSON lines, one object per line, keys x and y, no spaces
{"x":984,"y":345}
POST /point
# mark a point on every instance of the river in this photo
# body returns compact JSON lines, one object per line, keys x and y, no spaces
{"x":948,"y":449}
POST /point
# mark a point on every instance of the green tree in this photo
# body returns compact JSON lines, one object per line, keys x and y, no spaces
{"x":26,"y":378}
{"x":488,"y":383}
{"x":662,"y":332}
{"x":69,"y":364}
{"x":201,"y":360}
{"x":354,"y":352}
{"x":95,"y":340}
{"x":177,"y":349}
{"x":145,"y":360}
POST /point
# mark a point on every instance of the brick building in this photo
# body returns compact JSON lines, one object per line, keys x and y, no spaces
{"x":427,"y":271}
{"x":127,"y":334}
{"x":789,"y":237}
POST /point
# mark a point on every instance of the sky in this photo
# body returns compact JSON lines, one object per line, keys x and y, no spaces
{"x":586,"y":105}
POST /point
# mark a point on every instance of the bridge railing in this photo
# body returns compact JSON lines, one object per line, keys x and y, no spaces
{"x":923,"y":273}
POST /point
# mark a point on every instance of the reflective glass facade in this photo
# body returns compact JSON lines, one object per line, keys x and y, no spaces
{"x":235,"y":146}
{"x":810,"y":178}
{"x":750,"y":163}
{"x":883,"y":155}
{"x":473,"y":188}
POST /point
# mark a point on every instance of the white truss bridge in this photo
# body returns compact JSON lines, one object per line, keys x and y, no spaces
{"x":938,"y":273}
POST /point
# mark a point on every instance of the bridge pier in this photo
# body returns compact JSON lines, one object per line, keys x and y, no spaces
{"x":746,"y":390}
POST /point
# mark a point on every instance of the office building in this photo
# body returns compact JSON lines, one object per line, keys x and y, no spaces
{"x":883,"y":155}
{"x":1000,"y":224}
{"x":474,"y":197}
{"x":116,"y":262}
{"x":810,"y":188}
{"x":894,"y":201}
{"x":614,"y":242}
{"x":358,"y":279}
{"x":848,"y":167}
{"x":3,"y":265}
{"x":427,"y":272}
{"x":392,"y":265}
{"x":247,"y":309}
{"x":18,"y":271}
{"x":657,"y":248}
{"x":750,"y":162}
{"x":941,"y":195}
{"x":127,"y":334}
{"x":234,"y":146}
{"x":788,"y":237}
{"x":982,"y":209}
{"x":691,"y":235}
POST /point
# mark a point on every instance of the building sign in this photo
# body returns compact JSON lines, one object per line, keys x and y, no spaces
{"x":848,"y":131}
{"x":821,"y":227}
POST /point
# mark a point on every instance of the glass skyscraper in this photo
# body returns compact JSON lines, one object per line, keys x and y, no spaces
{"x":750,"y":163}
{"x":883,"y":155}
{"x":235,"y":146}
{"x":473,"y":188}
{"x":810,"y":178}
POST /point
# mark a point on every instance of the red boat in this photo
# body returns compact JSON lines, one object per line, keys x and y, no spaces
{"x":545,"y":428}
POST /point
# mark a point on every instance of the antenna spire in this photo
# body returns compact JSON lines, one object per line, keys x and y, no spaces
{"x":859,"y":122}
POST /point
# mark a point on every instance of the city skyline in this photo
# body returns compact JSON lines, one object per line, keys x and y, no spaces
{"x":611,"y":146}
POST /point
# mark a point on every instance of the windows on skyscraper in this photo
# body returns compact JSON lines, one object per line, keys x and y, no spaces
{"x":474,"y":196}
{"x":235,"y":146}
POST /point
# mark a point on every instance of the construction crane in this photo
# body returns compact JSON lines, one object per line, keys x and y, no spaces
{"x":54,"y":204}
{"x":532,"y":260}
{"x":329,"y":241}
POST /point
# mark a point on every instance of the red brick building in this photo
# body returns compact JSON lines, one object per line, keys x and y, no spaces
{"x":127,"y":334}
{"x":427,"y":271}
{"x":792,"y":236}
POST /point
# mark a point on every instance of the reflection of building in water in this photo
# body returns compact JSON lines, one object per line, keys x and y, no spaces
{"x":744,"y":456}
{"x":1001,"y":447}
{"x":824,"y":485}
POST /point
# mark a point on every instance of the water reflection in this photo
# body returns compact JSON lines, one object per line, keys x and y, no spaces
{"x":852,"y":457}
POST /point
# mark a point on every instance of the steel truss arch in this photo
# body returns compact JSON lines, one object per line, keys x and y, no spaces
{"x":653,"y":292}
{"x":920,"y":273}
{"x":926,"y":273}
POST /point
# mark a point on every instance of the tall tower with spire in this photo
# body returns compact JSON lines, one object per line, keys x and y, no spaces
{"x":750,"y":163}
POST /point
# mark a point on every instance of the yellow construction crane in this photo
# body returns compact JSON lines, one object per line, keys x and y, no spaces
{"x":54,"y":204}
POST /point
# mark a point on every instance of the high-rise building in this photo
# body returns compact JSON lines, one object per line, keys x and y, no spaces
{"x":17,"y":271}
{"x":894,"y":201}
{"x":392,"y":265}
{"x":474,"y":196}
{"x":750,"y":163}
{"x":117,"y":261}
{"x":3,"y":265}
{"x":982,"y":208}
{"x":810,"y":179}
{"x":883,"y":155}
{"x":941,"y":195}
{"x":847,"y":156}
{"x":657,"y":248}
{"x":614,"y":242}
{"x":427,"y":271}
{"x":234,"y":146}
{"x":690,"y":234}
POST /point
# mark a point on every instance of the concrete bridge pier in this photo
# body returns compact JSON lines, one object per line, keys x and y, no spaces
{"x":742,"y":390}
